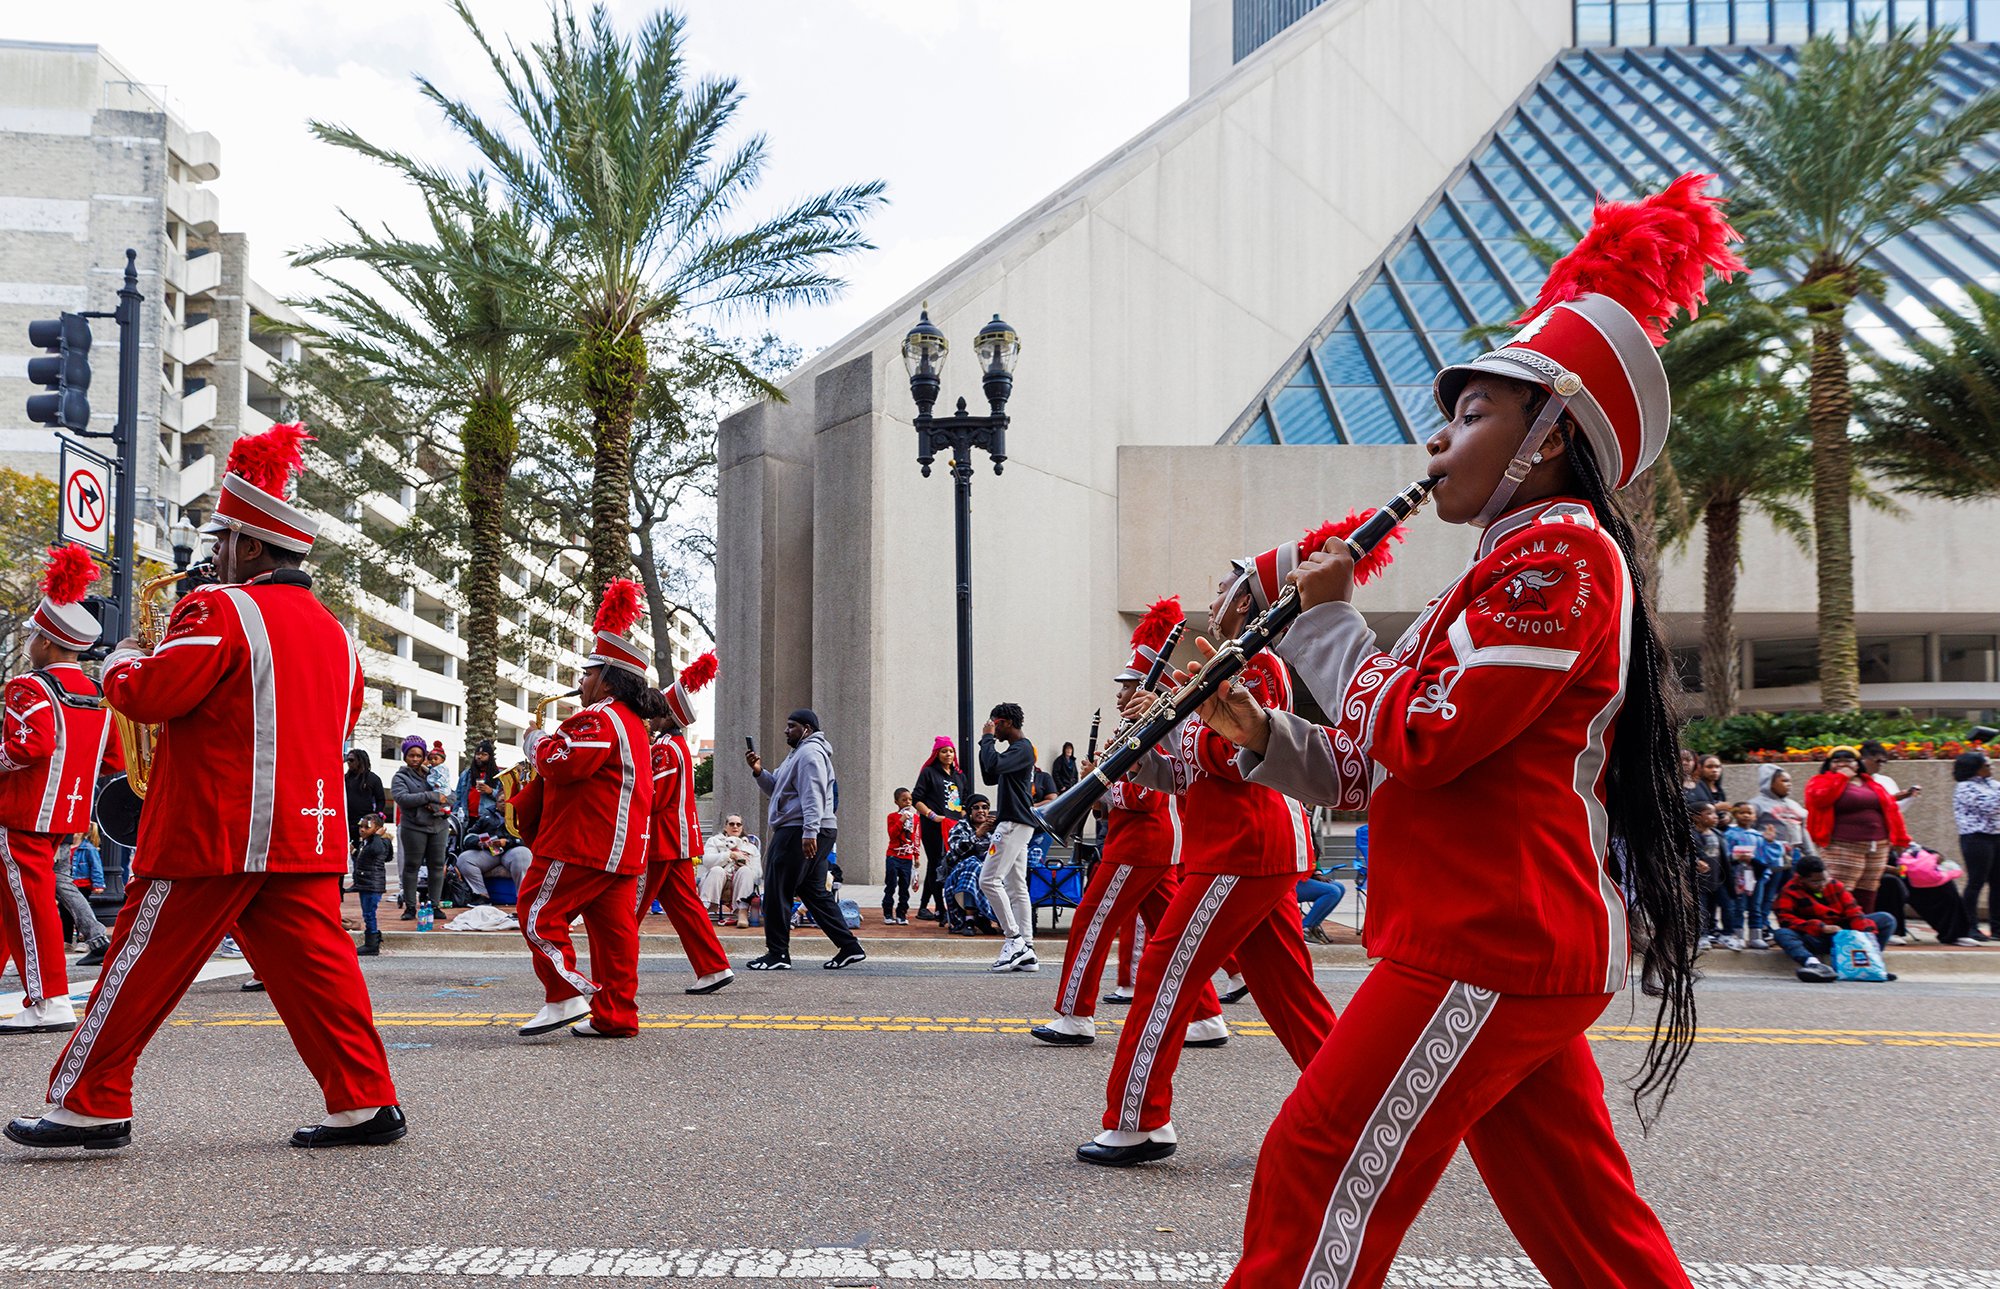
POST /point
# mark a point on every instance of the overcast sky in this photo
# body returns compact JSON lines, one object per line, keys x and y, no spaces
{"x":970,"y":111}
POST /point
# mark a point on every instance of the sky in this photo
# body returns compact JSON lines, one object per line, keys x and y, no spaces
{"x":970,"y":112}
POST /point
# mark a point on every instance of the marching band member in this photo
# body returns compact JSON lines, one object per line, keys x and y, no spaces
{"x":55,"y":728}
{"x":1244,"y":847}
{"x":1134,"y":881}
{"x":258,"y":687}
{"x":675,"y":842}
{"x":1497,"y":903}
{"x":587,"y":813}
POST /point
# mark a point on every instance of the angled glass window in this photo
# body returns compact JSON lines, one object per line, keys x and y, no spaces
{"x":1301,"y":411}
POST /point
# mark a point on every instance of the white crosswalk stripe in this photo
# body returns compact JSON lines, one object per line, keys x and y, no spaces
{"x":852,"y":1267}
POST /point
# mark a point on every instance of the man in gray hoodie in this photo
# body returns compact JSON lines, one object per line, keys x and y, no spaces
{"x":801,"y":836}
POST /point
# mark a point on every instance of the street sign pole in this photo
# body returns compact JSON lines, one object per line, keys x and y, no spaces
{"x":128,"y":441}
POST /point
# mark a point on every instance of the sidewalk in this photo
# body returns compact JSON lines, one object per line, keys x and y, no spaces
{"x":924,"y":942}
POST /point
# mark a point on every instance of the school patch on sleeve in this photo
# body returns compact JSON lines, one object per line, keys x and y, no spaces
{"x":1538,"y":590}
{"x":189,"y":616}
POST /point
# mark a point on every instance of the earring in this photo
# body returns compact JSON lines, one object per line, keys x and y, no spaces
{"x":1535,"y":459}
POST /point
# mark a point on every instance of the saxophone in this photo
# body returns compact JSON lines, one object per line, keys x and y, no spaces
{"x":122,"y":797}
{"x":523,"y":772}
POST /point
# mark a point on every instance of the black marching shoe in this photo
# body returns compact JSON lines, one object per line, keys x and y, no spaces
{"x":1122,"y":1000}
{"x":1235,"y":995}
{"x":43,"y":1135}
{"x":388,"y":1125}
{"x":251,"y":986}
{"x":1123,"y":1156}
{"x":1061,"y":1037}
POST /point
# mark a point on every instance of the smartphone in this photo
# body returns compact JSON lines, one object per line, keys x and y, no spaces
{"x":749,"y":744}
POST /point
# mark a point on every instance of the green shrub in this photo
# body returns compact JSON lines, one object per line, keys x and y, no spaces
{"x":1736,"y":738}
{"x":704,"y":776}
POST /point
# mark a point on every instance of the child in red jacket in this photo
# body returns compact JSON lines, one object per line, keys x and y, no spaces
{"x":1811,"y":908}
{"x":901,"y":861}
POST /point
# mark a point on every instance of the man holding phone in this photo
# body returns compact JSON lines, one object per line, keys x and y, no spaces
{"x":801,"y":793}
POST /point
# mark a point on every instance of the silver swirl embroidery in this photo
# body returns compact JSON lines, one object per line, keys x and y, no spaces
{"x":101,"y":1002}
{"x":1155,"y":1029}
{"x":1437,"y":694}
{"x":1073,"y":970}
{"x":1438,"y":1050}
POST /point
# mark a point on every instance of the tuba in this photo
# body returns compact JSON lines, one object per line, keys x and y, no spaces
{"x":122,"y":797}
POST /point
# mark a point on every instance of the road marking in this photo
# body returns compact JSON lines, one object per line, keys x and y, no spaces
{"x":794,"y":1023}
{"x":870,"y":1267}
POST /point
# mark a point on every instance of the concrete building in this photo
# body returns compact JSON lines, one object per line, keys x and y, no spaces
{"x":1229,"y":328}
{"x":92,"y":162}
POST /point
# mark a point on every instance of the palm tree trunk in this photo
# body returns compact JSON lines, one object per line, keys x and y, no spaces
{"x":657,"y":611}
{"x":490,"y":442}
{"x":1722,"y":523}
{"x":1642,"y":508}
{"x":612,"y":367}
{"x":1830,"y":405}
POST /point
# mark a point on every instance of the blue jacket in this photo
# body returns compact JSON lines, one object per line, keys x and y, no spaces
{"x":84,"y":861}
{"x":1732,"y":838}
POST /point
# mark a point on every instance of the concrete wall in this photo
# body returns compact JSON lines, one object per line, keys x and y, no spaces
{"x":1155,"y":294}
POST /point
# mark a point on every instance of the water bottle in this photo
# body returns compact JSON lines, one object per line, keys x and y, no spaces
{"x":424,"y":916}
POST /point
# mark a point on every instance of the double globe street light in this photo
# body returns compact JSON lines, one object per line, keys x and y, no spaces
{"x":924,"y":352}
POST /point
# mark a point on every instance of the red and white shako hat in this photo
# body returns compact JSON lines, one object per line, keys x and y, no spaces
{"x":694,"y":678}
{"x":1149,"y":636}
{"x":1592,"y":336}
{"x":616,"y":612}
{"x":261,"y":473}
{"x":61,"y":615}
{"x":1265,"y":574}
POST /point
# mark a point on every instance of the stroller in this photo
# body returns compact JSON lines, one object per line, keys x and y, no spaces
{"x":966,"y":911}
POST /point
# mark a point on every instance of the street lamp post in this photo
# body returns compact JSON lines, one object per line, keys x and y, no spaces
{"x":923,"y":354}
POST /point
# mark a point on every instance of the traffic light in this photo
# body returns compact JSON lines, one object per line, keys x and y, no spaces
{"x":67,"y":373}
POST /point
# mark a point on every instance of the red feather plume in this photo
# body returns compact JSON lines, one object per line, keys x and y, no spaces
{"x":270,"y":460}
{"x":71,"y":571}
{"x":1375,"y":561}
{"x":619,"y":608}
{"x":696,"y":675}
{"x":1158,"y":624}
{"x":1651,"y":255}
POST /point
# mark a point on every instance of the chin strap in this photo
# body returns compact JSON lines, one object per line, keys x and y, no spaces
{"x":1523,"y":462}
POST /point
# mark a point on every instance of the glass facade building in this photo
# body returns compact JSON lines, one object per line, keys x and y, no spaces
{"x":1621,"y":114}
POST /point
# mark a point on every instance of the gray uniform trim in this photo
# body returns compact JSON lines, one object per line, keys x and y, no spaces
{"x":548,"y":950}
{"x":116,"y":972}
{"x":52,"y":790}
{"x":264,"y":730}
{"x":1325,"y":647}
{"x":31,"y":957}
{"x":1073,"y":968}
{"x":1154,"y":1031}
{"x":628,"y":779}
{"x":1459,"y":1017}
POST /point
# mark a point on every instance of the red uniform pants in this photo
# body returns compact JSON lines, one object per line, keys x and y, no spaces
{"x":29,"y":915}
{"x":1130,"y":939}
{"x":560,"y":892}
{"x":1119,"y":897}
{"x":1212,"y":917}
{"x":672,"y":884}
{"x":289,"y":926}
{"x":1416,"y":1065}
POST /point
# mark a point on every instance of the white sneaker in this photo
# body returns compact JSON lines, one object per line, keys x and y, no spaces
{"x":1010,"y":950}
{"x":1967,"y":942}
{"x":1901,"y":939}
{"x":1027,"y":961}
{"x":229,"y":949}
{"x":555,"y":1016}
{"x":1207,"y":1031}
{"x":49,"y":1016}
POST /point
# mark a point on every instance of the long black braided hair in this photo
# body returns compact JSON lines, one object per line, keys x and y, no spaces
{"x":645,"y":701}
{"x":1650,"y":836}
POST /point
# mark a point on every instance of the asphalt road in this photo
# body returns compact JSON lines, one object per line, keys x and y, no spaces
{"x":901,"y":1107}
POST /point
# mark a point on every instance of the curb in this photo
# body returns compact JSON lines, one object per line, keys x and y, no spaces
{"x":1923,"y":964}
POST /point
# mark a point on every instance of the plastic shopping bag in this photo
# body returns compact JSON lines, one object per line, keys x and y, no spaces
{"x":1856,"y":956}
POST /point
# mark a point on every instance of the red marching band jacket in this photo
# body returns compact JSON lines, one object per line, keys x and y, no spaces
{"x":1230,"y":824}
{"x":258,"y":687}
{"x":595,"y":791}
{"x":1141,"y":827}
{"x":51,"y":750}
{"x":676,"y":825}
{"x":1478,"y":747}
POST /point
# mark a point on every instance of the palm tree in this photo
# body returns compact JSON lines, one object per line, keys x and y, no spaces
{"x":457,"y":341}
{"x":1739,"y":443}
{"x":1852,"y":151}
{"x":618,"y":156}
{"x":1933,"y":424}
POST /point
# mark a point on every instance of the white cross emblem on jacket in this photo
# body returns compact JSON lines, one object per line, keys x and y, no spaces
{"x":319,"y":817}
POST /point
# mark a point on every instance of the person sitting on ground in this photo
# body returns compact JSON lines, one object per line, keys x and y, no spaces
{"x":1711,"y":861}
{"x":371,"y":878}
{"x":900,"y":861}
{"x":1811,"y":908}
{"x":492,"y":850}
{"x":731,"y":869}
{"x":1929,"y":889}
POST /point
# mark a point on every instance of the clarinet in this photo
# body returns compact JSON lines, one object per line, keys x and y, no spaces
{"x":1065,"y":815}
{"x":1090,"y":748}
